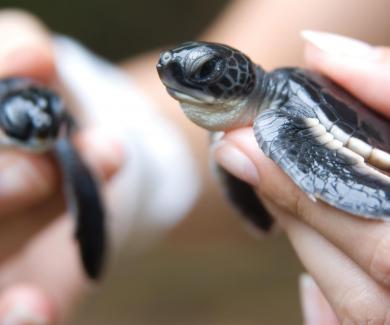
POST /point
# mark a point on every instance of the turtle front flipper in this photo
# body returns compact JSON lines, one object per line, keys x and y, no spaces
{"x":321,"y":166}
{"x":85,"y":203}
{"x":244,"y":198}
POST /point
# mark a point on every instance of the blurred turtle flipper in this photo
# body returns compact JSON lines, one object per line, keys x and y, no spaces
{"x":85,"y":203}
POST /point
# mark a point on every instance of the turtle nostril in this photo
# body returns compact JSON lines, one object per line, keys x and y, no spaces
{"x":165,"y":58}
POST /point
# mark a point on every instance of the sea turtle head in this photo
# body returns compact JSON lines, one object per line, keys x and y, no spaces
{"x":211,"y":81}
{"x":30,"y":117}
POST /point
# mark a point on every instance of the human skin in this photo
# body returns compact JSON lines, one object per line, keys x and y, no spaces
{"x":36,"y":214}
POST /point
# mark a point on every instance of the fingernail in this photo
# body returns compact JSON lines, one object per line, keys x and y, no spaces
{"x":310,"y":309}
{"x":236,"y":162}
{"x":17,"y":30}
{"x":341,"y":46}
{"x":24,"y":47}
{"x":22,"y":314}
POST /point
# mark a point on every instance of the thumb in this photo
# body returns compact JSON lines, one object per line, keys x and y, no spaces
{"x":26,"y":304}
{"x":361,"y":68}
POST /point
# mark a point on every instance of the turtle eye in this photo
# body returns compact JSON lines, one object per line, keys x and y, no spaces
{"x":207,"y":70}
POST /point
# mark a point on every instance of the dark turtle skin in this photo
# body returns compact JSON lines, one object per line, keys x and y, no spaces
{"x":331,"y":145}
{"x":34,"y":118}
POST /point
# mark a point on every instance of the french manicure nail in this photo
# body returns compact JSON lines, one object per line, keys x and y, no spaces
{"x":236,"y":162}
{"x":310,"y":308}
{"x":341,"y":46}
{"x":22,"y":314}
{"x":18,"y":30}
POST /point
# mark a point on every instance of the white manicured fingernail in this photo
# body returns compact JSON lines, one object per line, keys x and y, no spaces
{"x":315,"y":307}
{"x":19,"y":30}
{"x":342,"y":46}
{"x":236,"y":162}
{"x":22,"y":314}
{"x":310,"y":308}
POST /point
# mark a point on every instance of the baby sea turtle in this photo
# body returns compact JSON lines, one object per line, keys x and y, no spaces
{"x":330,"y":144}
{"x":34,"y":118}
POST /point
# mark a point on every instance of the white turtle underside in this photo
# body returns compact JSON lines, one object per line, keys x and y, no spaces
{"x":327,"y":164}
{"x":336,"y":139}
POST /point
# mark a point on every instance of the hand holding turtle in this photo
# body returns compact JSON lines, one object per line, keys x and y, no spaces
{"x":347,"y":256}
{"x":30,"y":195}
{"x":328,"y":143}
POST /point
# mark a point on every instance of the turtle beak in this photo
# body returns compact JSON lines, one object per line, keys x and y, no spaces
{"x":171,"y":73}
{"x":166,"y":67}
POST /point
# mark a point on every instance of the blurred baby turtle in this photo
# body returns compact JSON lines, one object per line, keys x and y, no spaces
{"x":331,"y":145}
{"x":34,"y":118}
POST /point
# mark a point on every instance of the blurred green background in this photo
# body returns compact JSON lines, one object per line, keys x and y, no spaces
{"x":209,"y":270}
{"x":117,"y":29}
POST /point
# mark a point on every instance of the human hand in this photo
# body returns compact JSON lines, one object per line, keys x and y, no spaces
{"x":348,"y":257}
{"x":40,"y":274}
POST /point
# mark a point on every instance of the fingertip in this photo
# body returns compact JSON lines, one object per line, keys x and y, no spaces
{"x":316,"y":59}
{"x":25,"y":47}
{"x":315,"y":308}
{"x":103,"y":152}
{"x":313,"y":56}
{"x":309,"y":295}
{"x":234,"y":161}
{"x":245,"y":139}
{"x":25,"y":304}
{"x":357,"y":66}
{"x":235,"y":153}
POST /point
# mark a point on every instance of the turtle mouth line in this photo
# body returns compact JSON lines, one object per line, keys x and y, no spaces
{"x":184,"y":97}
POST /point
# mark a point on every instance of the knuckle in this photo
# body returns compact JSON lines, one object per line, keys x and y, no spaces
{"x":379,"y":266}
{"x":300,"y":206}
{"x":360,"y":306}
{"x":295,"y":204}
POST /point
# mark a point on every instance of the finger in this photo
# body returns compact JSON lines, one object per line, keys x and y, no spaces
{"x":359,"y":67}
{"x":340,"y":228}
{"x":366,"y":242}
{"x":25,"y":47}
{"x":17,"y":231}
{"x":102,"y":152}
{"x":353,"y":295}
{"x":24,"y":50}
{"x":26,"y":304}
{"x":315,"y":308}
{"x":251,"y":165}
{"x":25,"y":178}
{"x":38,"y":265}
